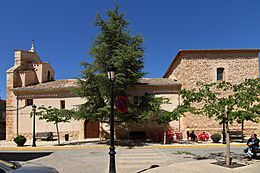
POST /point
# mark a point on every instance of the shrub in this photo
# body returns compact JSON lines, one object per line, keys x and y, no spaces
{"x":20,"y":140}
{"x":216,"y":137}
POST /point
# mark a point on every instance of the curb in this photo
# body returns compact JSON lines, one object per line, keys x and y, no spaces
{"x":198,"y":146}
{"x":44,"y":148}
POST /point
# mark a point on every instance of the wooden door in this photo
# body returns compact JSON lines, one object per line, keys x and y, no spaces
{"x":91,"y":129}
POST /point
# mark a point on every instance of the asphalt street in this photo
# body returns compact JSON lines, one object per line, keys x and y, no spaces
{"x":127,"y":160}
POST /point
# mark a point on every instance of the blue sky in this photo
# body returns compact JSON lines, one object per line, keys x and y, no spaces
{"x":64,"y":29}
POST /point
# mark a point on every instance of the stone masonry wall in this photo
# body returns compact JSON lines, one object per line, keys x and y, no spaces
{"x":203,"y":67}
{"x":10,"y":105}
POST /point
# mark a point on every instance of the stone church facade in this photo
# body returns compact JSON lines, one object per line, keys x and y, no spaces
{"x":31,"y":81}
{"x":192,"y":66}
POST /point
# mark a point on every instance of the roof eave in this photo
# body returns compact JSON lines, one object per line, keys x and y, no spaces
{"x":162,"y":85}
{"x":167,"y":73}
{"x":19,"y":90}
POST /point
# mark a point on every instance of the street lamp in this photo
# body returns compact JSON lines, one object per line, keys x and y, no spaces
{"x":33,"y":135}
{"x":112,"y":152}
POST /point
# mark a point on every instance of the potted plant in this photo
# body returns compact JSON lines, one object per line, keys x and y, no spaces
{"x":216,"y":137}
{"x":20,"y":140}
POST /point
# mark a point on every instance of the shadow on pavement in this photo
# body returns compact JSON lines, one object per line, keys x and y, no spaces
{"x":127,"y":143}
{"x":151,"y":167}
{"x":22,"y":155}
{"x":122,"y":143}
{"x":77,"y":143}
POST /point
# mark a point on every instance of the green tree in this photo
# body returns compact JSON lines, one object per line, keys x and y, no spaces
{"x":113,"y":46}
{"x":54,"y":115}
{"x":213,"y":100}
{"x":247,"y":96}
{"x":224,"y":102}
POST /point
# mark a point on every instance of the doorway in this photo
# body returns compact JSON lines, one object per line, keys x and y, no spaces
{"x":91,"y":129}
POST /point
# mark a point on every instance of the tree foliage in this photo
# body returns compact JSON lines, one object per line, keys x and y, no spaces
{"x":117,"y":47}
{"x":225,"y":102}
{"x":55,"y":116}
{"x":247,"y":96}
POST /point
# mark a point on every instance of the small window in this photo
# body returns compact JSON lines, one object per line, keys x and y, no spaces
{"x":62,"y":104}
{"x":29,"y":102}
{"x":49,"y":75}
{"x":220,"y":74}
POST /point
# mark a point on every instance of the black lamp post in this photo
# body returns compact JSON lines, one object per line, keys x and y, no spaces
{"x":112,"y":152}
{"x":33,"y":135}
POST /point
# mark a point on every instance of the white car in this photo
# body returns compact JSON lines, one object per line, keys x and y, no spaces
{"x":15,"y":167}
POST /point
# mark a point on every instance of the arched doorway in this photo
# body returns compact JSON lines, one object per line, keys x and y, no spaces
{"x":91,"y":129}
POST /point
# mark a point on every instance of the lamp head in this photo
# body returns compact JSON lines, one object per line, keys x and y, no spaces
{"x":111,"y":73}
{"x":34,"y":107}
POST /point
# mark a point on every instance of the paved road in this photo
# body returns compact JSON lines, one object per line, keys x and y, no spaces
{"x":127,"y":160}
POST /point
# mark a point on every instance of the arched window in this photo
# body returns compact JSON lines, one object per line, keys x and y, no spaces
{"x":220,"y":74}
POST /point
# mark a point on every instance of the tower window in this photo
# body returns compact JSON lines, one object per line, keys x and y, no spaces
{"x":220,"y":74}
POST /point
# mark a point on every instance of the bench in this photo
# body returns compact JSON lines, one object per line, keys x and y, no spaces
{"x":48,"y":136}
{"x":137,"y":135}
{"x":235,"y":135}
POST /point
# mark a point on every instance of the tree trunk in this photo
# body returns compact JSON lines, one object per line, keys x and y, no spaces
{"x":228,"y":159}
{"x":164,"y":137}
{"x":57,"y":128}
{"x":224,"y":132}
{"x":242,"y":128}
{"x":164,"y":134}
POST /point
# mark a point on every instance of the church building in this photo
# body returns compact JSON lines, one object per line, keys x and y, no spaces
{"x":32,"y":82}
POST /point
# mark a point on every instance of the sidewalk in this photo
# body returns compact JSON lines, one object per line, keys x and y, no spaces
{"x":52,"y":145}
{"x":204,"y":166}
{"x":96,"y":143}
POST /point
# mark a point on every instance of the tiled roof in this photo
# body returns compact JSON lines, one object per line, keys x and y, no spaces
{"x":57,"y":84}
{"x":222,"y":50}
{"x":71,"y":83}
{"x":158,"y":82}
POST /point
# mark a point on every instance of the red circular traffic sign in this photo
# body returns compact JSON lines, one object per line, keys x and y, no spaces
{"x":121,"y":104}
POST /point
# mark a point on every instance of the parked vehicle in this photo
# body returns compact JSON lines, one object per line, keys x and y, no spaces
{"x":15,"y":167}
